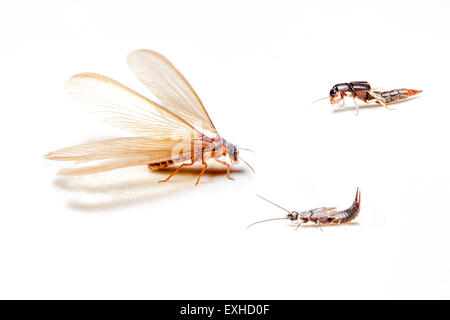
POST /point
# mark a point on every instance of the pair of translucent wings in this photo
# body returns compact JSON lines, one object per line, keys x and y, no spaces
{"x":160,"y":128}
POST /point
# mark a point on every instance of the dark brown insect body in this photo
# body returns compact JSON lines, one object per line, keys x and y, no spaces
{"x":322,"y":215}
{"x":362,"y":90}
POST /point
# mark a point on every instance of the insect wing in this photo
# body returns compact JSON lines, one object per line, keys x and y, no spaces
{"x":104,"y":166}
{"x":161,"y":77}
{"x":121,"y":148}
{"x":124,"y":152}
{"x":122,"y":107}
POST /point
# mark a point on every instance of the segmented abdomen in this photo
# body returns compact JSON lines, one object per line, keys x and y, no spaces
{"x":163,"y":164}
{"x":394,"y":95}
{"x":351,"y":213}
{"x":347,"y":215}
{"x":197,"y":157}
{"x":159,"y":165}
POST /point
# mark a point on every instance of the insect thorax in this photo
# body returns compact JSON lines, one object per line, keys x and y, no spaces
{"x":305,"y":215}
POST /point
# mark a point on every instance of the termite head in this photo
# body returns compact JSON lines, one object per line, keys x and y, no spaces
{"x":232,"y":152}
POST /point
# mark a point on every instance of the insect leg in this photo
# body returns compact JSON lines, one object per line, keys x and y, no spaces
{"x":356,"y":106}
{"x":228,"y":167}
{"x":298,"y":226}
{"x":377,"y":99}
{"x":384,"y":104}
{"x":201,"y":172}
{"x":178,"y":169}
{"x":341,"y":101}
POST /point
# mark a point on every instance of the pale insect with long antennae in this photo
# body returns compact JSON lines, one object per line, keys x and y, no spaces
{"x":320,"y":216}
{"x":177,"y":131}
{"x":362,"y":90}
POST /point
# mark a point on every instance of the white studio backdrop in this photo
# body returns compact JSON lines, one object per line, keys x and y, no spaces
{"x":257,"y":66}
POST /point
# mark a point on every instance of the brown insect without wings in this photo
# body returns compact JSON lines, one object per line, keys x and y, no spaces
{"x":320,"y":216}
{"x":363,"y":91}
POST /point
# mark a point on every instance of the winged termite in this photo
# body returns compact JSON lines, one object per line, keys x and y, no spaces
{"x":177,"y":131}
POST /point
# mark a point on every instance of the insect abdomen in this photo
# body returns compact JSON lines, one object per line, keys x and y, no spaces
{"x":351,"y":213}
{"x":346,"y":215}
{"x":392,"y":95}
{"x":159,"y":165}
{"x":163,"y":164}
{"x":397,"y":94}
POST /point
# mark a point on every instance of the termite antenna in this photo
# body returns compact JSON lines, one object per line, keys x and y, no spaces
{"x":265,"y":221}
{"x":247,"y":150}
{"x":320,"y":99}
{"x":276,"y":205}
{"x":247,"y":164}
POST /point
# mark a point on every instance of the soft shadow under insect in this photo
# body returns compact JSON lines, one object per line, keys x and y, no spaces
{"x":111,"y":190}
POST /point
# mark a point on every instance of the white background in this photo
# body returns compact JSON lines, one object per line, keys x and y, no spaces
{"x":257,"y":66}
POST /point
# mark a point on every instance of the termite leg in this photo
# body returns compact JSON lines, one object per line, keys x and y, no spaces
{"x":201,"y":172}
{"x":178,"y":169}
{"x":228,"y":167}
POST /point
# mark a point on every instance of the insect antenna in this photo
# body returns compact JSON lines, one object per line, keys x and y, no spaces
{"x":265,"y":221}
{"x":320,"y":99}
{"x":247,"y":164}
{"x":276,"y":205}
{"x":247,"y":150}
